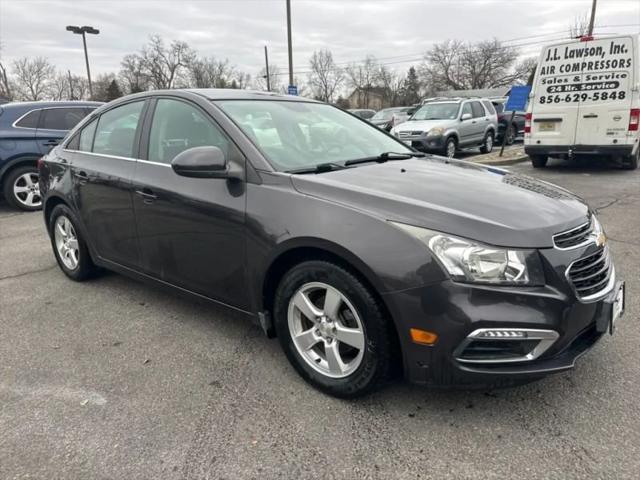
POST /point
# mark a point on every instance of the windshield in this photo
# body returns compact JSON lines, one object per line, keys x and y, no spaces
{"x":385,"y":114}
{"x":437,"y":111}
{"x":294,"y":135}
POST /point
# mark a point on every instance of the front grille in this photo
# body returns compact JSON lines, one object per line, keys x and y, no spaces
{"x":590,"y":275}
{"x":574,"y":237}
{"x":415,"y":133}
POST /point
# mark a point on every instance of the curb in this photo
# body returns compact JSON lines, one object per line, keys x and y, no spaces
{"x":502,"y":161}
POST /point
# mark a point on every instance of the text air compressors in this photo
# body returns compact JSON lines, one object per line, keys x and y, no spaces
{"x":585,"y":101}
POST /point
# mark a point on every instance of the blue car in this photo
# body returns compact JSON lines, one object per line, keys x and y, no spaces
{"x":28,"y":130}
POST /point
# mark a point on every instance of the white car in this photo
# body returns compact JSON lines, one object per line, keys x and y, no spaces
{"x":585,"y":101}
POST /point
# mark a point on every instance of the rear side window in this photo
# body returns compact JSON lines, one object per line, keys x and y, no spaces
{"x":116,"y":130}
{"x":30,"y":120}
{"x":477,"y":109}
{"x":178,"y":126}
{"x":499,"y":107}
{"x":489,"y":106}
{"x":61,"y":118}
{"x":86,"y":136}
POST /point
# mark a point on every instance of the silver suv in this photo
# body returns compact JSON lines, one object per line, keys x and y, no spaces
{"x":444,"y":126}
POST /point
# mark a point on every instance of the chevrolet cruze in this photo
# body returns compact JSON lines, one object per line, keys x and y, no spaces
{"x":365,"y":257}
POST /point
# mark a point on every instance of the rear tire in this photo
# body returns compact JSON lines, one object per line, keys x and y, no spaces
{"x":21,"y":189}
{"x":511,"y":135}
{"x":69,"y":247}
{"x":539,"y":161}
{"x":353,"y":329}
{"x":487,"y":143}
{"x":631,"y":162}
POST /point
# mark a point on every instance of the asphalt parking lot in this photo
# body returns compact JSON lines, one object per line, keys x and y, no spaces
{"x":113,"y":379}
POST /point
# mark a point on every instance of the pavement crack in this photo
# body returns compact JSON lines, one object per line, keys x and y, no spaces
{"x":24,"y":274}
{"x":628,"y":242}
{"x":607,"y":205}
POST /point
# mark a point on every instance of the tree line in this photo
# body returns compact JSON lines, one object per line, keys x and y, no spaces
{"x":449,"y":65}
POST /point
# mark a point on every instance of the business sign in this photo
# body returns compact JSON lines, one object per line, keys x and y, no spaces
{"x":586,"y":72}
{"x":518,"y":98}
{"x":293,"y":90}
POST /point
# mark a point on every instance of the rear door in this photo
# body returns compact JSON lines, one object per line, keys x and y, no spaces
{"x":54,"y":125}
{"x":480,"y":121}
{"x":605,"y":96}
{"x":555,"y":99}
{"x":467,"y":127}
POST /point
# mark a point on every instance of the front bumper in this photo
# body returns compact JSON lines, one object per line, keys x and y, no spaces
{"x":425,"y":144}
{"x":454,"y":310}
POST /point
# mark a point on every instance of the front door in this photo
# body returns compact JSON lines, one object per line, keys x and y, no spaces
{"x":102,"y":166}
{"x":191,"y":230}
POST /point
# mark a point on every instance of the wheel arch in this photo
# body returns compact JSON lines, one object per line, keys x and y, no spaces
{"x":17,"y":162}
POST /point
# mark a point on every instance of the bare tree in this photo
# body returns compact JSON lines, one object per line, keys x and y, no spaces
{"x":580,"y":26}
{"x":210,"y":73}
{"x":5,"y":87}
{"x":361,"y":77}
{"x":101,"y":87}
{"x":459,"y":66}
{"x":391,"y":83}
{"x":32,"y":77}
{"x":325,"y":77}
{"x":241,"y":80}
{"x":59,"y":88}
{"x":164,"y":64}
{"x":133,"y":74}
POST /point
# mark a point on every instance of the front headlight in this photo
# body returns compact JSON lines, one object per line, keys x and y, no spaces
{"x":435,"y":131}
{"x":470,"y":261}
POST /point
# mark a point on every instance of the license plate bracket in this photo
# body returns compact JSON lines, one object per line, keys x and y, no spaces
{"x":547,"y":127}
{"x":617,"y":307}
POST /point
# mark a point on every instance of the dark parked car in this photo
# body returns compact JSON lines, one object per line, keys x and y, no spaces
{"x":364,"y":113}
{"x":387,"y":118}
{"x":513,"y":127}
{"x":362,"y":255}
{"x":27,"y":131}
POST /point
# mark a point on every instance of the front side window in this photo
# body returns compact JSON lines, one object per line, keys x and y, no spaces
{"x":295,"y":135}
{"x":116,"y":130}
{"x":30,"y":120}
{"x":437,"y":111}
{"x":61,"y":118}
{"x":178,"y":126}
{"x":466,"y":108}
{"x":478,"y":110}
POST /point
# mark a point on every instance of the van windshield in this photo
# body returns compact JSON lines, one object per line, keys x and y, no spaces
{"x":437,"y":111}
{"x":296,"y":135}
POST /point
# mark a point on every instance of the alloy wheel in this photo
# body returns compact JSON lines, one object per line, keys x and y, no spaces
{"x":488,"y":143}
{"x":27,"y":191}
{"x":326,"y":330}
{"x":66,"y":242}
{"x":451,"y":148}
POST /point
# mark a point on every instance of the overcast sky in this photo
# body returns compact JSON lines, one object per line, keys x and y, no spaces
{"x":395,"y":31}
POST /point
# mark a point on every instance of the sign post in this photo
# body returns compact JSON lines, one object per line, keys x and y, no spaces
{"x":517,"y":102}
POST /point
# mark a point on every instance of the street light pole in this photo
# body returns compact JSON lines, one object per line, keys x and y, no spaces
{"x":289,"y":42}
{"x":83,"y":31}
{"x":593,"y":18}
{"x":266,"y":69}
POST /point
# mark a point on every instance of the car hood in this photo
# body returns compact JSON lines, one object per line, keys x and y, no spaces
{"x":422,"y":125}
{"x":490,"y":205}
{"x":380,"y":122}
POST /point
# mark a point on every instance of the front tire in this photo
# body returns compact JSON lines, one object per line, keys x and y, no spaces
{"x":69,"y":247}
{"x":487,"y":143}
{"x":450,"y":147}
{"x":333,"y":330}
{"x":21,"y":189}
{"x":539,"y":161}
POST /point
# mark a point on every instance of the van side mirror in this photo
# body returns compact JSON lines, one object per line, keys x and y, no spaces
{"x":201,"y":162}
{"x":465,"y":116}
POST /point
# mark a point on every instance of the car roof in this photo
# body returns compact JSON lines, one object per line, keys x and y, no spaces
{"x":49,"y":104}
{"x":238,"y":94}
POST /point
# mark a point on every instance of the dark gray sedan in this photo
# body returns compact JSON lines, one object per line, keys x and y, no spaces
{"x":364,"y":257}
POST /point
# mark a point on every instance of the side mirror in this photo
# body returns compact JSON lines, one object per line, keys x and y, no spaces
{"x":465,"y":116}
{"x":201,"y":162}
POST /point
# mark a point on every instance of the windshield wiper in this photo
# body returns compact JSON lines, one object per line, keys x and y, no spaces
{"x":320,"y":168}
{"x":384,"y":157}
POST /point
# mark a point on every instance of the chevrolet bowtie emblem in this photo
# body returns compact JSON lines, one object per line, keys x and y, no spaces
{"x":601,"y":239}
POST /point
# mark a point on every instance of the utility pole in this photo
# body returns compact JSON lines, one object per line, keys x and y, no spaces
{"x":70,"y":86}
{"x":289,"y":41}
{"x":593,"y":18}
{"x":266,"y":69}
{"x":82,"y":31}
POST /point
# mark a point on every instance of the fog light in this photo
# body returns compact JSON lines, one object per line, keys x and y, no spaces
{"x":423,"y":337}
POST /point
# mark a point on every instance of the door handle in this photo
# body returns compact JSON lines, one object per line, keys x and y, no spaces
{"x":590,"y":115}
{"x":147,"y":195}
{"x":82,"y":177}
{"x":473,"y":121}
{"x":51,"y":143}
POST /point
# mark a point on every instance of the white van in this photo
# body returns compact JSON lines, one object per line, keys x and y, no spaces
{"x":585,"y":101}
